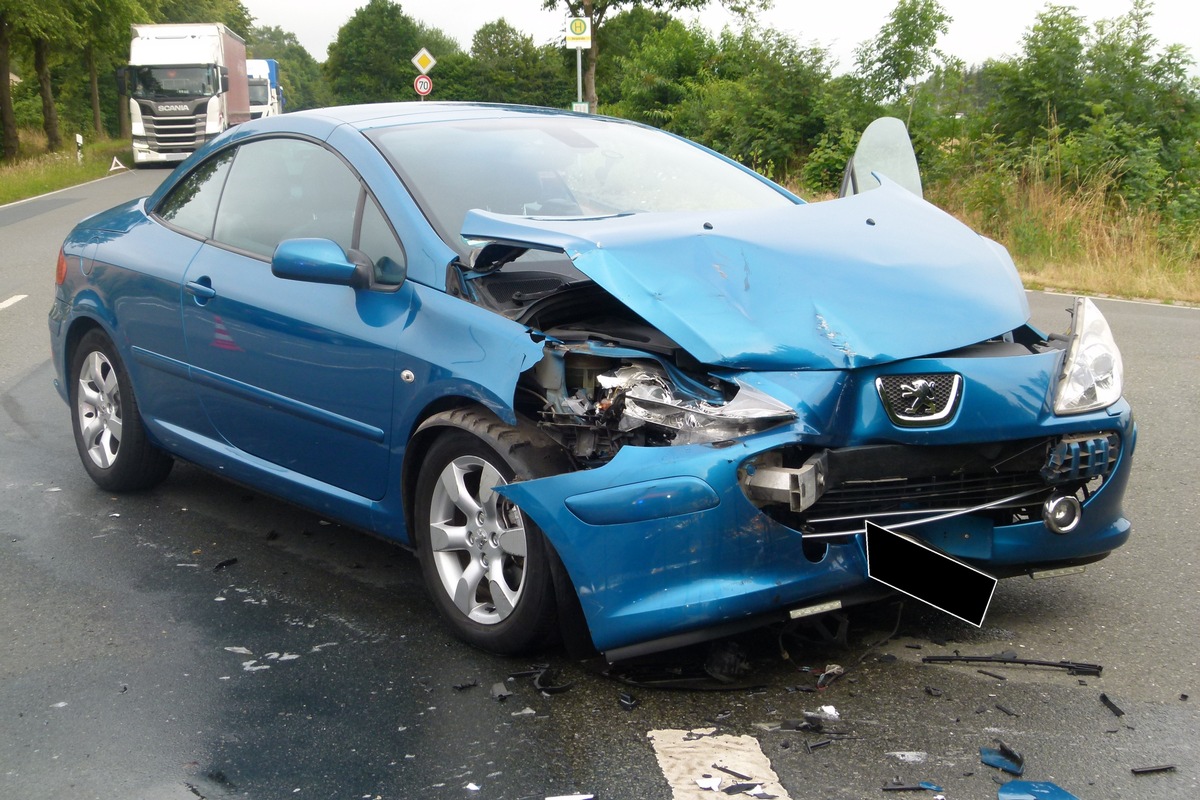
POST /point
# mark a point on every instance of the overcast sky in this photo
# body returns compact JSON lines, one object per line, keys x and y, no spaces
{"x":981,"y":29}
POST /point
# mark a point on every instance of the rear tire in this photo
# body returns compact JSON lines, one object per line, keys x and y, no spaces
{"x":485,"y":564}
{"x":109,"y":433}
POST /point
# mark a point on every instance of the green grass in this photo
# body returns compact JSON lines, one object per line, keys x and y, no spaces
{"x":48,"y":172}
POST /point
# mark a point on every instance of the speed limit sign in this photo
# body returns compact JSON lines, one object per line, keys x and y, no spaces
{"x":423,"y":84}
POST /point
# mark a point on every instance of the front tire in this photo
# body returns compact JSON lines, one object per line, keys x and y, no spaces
{"x":485,"y":564}
{"x":109,"y":433}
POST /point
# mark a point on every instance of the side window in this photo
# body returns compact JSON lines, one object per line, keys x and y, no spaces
{"x":379,"y":243}
{"x":286,"y":189}
{"x":192,"y":205}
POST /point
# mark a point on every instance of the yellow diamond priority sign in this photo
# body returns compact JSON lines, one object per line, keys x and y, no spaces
{"x":424,"y":61}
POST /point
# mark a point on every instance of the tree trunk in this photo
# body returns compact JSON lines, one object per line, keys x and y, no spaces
{"x":41,"y":63}
{"x":8,"y":118}
{"x":589,"y":74}
{"x":94,"y":86}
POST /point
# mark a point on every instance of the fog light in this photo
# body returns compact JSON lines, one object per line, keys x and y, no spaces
{"x":1062,"y":514}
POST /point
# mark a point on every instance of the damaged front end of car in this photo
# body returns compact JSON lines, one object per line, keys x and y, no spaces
{"x":739,"y":397}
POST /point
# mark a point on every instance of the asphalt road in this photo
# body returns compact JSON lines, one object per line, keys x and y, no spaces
{"x":140,"y":661}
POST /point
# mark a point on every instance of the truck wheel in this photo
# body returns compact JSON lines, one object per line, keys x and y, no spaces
{"x":484,"y":562}
{"x":109,"y":434}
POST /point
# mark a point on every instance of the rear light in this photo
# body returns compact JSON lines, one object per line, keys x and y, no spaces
{"x":60,"y":272}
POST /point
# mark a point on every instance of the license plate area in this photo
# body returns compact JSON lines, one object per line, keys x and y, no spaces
{"x":924,"y":573}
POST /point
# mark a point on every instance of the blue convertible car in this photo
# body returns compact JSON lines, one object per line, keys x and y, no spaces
{"x":601,"y":379}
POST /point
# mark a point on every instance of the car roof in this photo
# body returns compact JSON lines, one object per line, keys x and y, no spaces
{"x":380,"y":115}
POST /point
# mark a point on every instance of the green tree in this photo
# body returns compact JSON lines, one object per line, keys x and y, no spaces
{"x":105,"y":29}
{"x":42,"y":26}
{"x":598,"y":10}
{"x":369,"y":60}
{"x":904,"y":50}
{"x":505,"y":66}
{"x":303,"y":82}
{"x":230,"y":13}
{"x":1044,"y":87}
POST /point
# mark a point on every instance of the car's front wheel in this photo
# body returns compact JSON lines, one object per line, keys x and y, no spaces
{"x":109,"y":434}
{"x":485,"y":563}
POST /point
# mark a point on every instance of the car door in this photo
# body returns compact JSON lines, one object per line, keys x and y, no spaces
{"x":297,"y":375}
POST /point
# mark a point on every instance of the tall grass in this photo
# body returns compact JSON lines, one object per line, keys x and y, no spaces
{"x":37,"y":172}
{"x":1079,"y":239}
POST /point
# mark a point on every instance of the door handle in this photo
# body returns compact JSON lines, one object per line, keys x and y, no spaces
{"x":201,"y":289}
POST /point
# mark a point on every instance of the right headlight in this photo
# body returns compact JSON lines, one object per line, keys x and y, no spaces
{"x":1093,"y":375}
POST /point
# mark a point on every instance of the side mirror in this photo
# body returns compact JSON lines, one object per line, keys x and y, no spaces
{"x":320,"y":261}
{"x":224,"y":80}
{"x":885,"y":148}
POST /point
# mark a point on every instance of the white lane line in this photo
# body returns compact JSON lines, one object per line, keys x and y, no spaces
{"x":12,"y":301}
{"x":686,"y":757}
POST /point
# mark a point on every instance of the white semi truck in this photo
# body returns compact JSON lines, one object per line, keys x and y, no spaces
{"x":266,"y":95}
{"x":186,"y":83}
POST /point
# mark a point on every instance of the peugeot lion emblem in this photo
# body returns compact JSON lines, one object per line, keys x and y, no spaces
{"x":919,"y":395}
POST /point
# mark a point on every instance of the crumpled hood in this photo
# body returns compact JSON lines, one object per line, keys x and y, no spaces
{"x":868,"y":279}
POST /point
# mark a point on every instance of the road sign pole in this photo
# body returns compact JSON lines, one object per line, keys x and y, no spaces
{"x":579,"y":74}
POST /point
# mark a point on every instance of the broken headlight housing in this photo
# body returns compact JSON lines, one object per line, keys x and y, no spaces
{"x":650,"y":397}
{"x":1093,"y":375}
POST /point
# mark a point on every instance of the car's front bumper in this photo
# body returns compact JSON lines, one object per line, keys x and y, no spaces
{"x":663,"y":542}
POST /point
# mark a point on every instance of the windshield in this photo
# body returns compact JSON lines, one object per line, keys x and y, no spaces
{"x":157,"y":83}
{"x":260,"y":93}
{"x":562,"y":166}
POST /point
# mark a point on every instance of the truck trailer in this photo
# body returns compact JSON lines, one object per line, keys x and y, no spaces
{"x":266,"y":94}
{"x":186,"y":84}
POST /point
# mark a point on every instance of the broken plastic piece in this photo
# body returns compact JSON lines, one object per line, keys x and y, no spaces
{"x":1033,"y":790}
{"x":1007,"y":710}
{"x":831,"y":674}
{"x":229,"y":562}
{"x":991,"y":674}
{"x":933,"y":691}
{"x":741,"y":788}
{"x":464,"y":686}
{"x":1003,"y":758}
{"x":500,"y":691}
{"x":931,"y":786}
{"x":1149,"y":770}
{"x":732,"y":773}
{"x":1010,"y":657}
{"x":1111,"y":706}
{"x":709,"y":782}
{"x":627,"y":701}
{"x":546,"y":681}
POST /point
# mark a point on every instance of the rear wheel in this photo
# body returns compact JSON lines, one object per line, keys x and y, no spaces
{"x":485,"y":563}
{"x":109,"y":434}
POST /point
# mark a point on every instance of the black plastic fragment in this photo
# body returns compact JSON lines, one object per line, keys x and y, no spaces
{"x":739,"y":788}
{"x":732,"y":773}
{"x":995,"y":675}
{"x":229,"y":562}
{"x":1111,"y":706}
{"x":627,"y":701}
{"x":1007,"y":710}
{"x":933,"y":691}
{"x":548,"y":681}
{"x":1149,"y":770}
{"x":1010,"y":657}
{"x":469,"y":685}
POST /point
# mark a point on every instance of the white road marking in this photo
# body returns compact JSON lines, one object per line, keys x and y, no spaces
{"x":12,"y":301}
{"x":686,"y":757}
